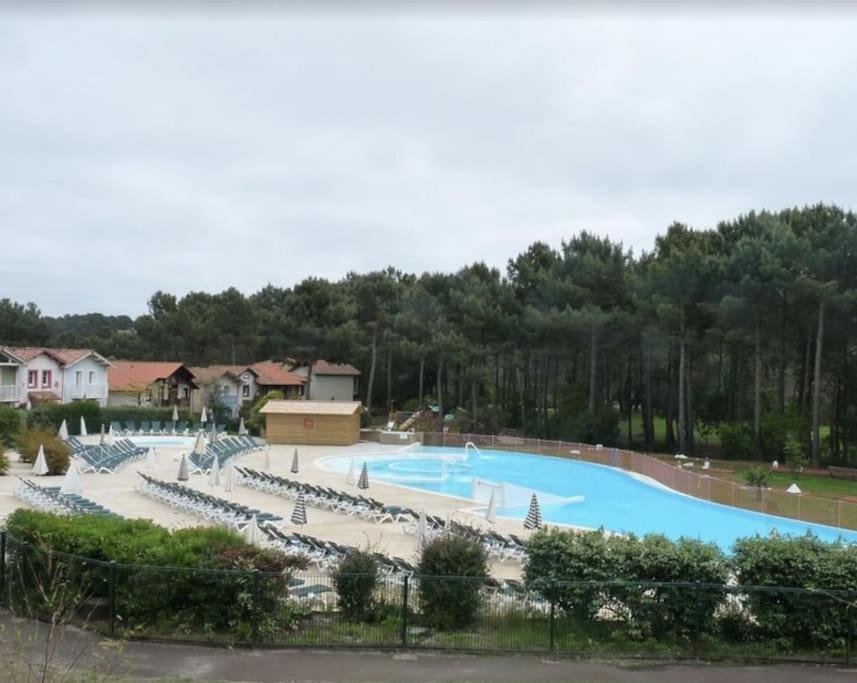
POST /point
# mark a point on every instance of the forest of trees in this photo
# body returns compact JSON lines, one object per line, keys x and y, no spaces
{"x":747,"y":331}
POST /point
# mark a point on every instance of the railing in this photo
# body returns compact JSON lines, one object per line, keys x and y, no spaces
{"x":801,"y":506}
{"x":88,"y":391}
{"x":303,"y":609}
{"x":10,"y":392}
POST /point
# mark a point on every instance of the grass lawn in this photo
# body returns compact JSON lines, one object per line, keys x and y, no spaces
{"x":819,"y":484}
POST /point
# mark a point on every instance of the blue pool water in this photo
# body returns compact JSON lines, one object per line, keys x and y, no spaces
{"x":612,"y":498}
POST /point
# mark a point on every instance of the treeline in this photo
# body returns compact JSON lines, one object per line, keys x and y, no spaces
{"x":746,"y":329}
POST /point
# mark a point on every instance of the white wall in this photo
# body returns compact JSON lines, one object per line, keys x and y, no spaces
{"x":121,"y":399}
{"x":336,"y":387}
{"x":97,"y":389}
{"x":40,"y":363}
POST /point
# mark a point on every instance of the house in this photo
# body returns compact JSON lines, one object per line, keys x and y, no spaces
{"x":330,"y":381}
{"x":231,"y":386}
{"x":40,"y":374}
{"x":152,"y":384}
{"x":312,"y":422}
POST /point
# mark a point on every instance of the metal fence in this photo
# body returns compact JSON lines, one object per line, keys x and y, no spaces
{"x":609,"y":618}
{"x":801,"y":506}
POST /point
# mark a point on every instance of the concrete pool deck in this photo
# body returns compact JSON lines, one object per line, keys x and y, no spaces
{"x":117,"y":493}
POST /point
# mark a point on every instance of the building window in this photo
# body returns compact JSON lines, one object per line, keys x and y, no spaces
{"x":92,"y":376}
{"x":46,"y":378}
{"x":245,"y":391}
{"x":32,"y":378}
{"x":78,"y":378}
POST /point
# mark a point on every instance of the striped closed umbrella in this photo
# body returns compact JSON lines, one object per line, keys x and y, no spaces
{"x":534,"y":516}
{"x":184,"y":472}
{"x":363,"y":481}
{"x":295,"y":467}
{"x":299,"y":514}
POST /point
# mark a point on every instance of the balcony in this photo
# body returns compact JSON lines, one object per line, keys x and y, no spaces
{"x":10,"y":392}
{"x":88,"y":391}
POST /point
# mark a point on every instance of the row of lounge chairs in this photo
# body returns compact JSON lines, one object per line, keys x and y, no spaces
{"x":50,"y":499}
{"x":155,"y":427}
{"x":326,"y":498}
{"x":104,"y":458}
{"x":203,"y":504}
{"x":225,"y":449}
{"x":500,"y":546}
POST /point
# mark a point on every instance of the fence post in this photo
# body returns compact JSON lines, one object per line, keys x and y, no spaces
{"x":111,"y":596}
{"x":404,"y":641}
{"x":2,"y":567}
{"x":697,"y":640}
{"x":552,"y":630}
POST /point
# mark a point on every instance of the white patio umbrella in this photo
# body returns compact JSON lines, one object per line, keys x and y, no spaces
{"x":268,"y":457}
{"x":214,"y":472}
{"x":491,"y":512}
{"x":229,"y":479}
{"x":422,"y":526}
{"x":252,"y":532}
{"x":175,"y":413}
{"x":242,"y":430}
{"x":351,"y":479}
{"x":83,"y":431}
{"x":534,"y":515}
{"x":40,"y":466}
{"x":184,"y":474}
{"x":199,"y":444}
{"x":363,"y":481}
{"x":203,"y":418}
{"x":213,"y":435}
{"x":150,"y":459}
{"x":110,"y":440}
{"x":71,"y":481}
{"x":295,"y":469}
{"x":63,"y":431}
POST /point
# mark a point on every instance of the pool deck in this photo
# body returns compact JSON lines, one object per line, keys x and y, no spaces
{"x":117,"y":493}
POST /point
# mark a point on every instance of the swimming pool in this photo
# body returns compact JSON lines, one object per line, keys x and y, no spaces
{"x":578,"y":494}
{"x":166,"y":441}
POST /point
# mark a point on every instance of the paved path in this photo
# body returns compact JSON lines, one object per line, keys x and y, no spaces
{"x":140,"y":660}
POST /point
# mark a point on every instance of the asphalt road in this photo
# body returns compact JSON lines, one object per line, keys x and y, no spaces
{"x":22,"y":641}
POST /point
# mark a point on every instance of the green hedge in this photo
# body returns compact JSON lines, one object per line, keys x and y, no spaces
{"x":51,"y":416}
{"x":10,"y":426}
{"x":201,"y":580}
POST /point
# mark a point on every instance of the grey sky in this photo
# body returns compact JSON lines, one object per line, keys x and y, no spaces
{"x":139,"y":153}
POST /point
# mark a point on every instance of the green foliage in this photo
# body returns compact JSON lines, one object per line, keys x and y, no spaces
{"x":4,"y":464}
{"x":51,"y":416}
{"x":791,"y":619}
{"x":776,"y":430}
{"x":585,"y":427}
{"x":56,"y":451}
{"x":795,"y":453}
{"x":736,"y":441}
{"x":255,"y":419}
{"x":757,"y":476}
{"x":450,"y":604}
{"x":355,"y":580}
{"x":10,"y":425}
{"x":194,"y":580}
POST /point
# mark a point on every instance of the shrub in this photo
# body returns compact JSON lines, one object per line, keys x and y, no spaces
{"x":256,"y":420}
{"x":51,"y":415}
{"x":795,"y":454}
{"x":736,"y":441}
{"x":10,"y":426}
{"x":797,"y":619}
{"x":56,"y":451}
{"x":4,"y":464}
{"x":778,"y":428}
{"x":757,"y":476}
{"x":449,"y":602}
{"x":355,"y":580}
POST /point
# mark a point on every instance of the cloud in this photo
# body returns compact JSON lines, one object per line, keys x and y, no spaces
{"x":180,"y":153}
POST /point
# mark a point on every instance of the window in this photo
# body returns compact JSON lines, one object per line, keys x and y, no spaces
{"x":245,"y":391}
{"x":78,"y":377}
{"x":92,"y":376}
{"x":32,"y":378}
{"x":46,"y":378}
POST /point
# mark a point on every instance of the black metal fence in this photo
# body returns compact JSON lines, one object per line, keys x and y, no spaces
{"x":622,"y":619}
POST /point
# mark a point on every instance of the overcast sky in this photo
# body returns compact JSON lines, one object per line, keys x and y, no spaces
{"x":140,"y":153}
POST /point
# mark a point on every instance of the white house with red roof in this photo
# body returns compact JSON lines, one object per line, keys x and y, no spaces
{"x":153,"y":384}
{"x":330,"y":381}
{"x":40,"y":374}
{"x":231,"y":386}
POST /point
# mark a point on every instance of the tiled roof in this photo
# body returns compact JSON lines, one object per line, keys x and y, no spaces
{"x":63,"y":356}
{"x":208,"y":374}
{"x":269,"y":373}
{"x":298,"y":407}
{"x":322,"y":367}
{"x":136,"y":375}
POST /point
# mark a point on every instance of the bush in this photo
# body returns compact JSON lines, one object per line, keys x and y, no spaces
{"x":50,"y":416}
{"x":355,"y":580}
{"x":56,"y":451}
{"x":4,"y":464}
{"x":736,"y":441}
{"x":795,"y":454}
{"x":449,"y":603}
{"x":195,"y":580}
{"x":255,"y":419}
{"x":796,"y":620}
{"x":10,"y":426}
